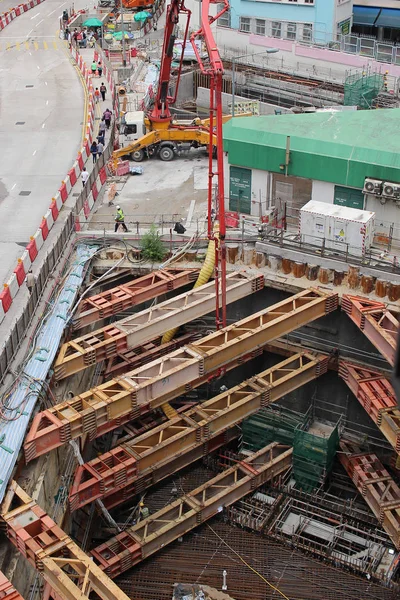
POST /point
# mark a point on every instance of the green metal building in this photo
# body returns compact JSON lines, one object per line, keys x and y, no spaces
{"x":330,"y":155}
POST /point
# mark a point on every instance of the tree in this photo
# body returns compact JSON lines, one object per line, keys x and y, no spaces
{"x":152,"y":246}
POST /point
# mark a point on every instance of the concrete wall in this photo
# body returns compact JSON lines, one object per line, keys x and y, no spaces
{"x":323,"y":191}
{"x":203,"y":101}
{"x":386,"y":214}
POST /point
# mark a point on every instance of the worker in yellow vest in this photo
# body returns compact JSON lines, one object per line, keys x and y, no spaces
{"x":120,"y":219}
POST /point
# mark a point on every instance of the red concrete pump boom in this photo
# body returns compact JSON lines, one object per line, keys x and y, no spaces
{"x":160,"y":112}
{"x":213,"y":67}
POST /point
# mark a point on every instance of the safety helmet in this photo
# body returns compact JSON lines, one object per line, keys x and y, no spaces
{"x":118,"y":207}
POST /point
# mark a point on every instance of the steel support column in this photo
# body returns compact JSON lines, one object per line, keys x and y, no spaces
{"x":122,"y":297}
{"x":61,"y":563}
{"x":162,"y":380}
{"x":135,"y":544}
{"x":147,"y":325}
{"x":376,"y":321}
{"x":377,"y":487}
{"x":143,"y":461}
{"x":376,"y":394}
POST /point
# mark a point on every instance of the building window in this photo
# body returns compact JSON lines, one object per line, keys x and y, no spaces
{"x":244,"y":24}
{"x":260,"y":27}
{"x":291,"y":31}
{"x":308,"y":1}
{"x":307,"y":32}
{"x":276,"y":29}
{"x":292,"y":0}
{"x":225,"y":19}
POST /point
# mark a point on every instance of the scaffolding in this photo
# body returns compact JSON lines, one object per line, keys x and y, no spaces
{"x":362,"y":89}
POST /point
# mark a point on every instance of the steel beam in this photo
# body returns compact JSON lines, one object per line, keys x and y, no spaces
{"x":379,"y":490}
{"x":7,"y":590}
{"x":137,"y":291}
{"x":61,"y":563}
{"x":145,"y":460}
{"x":162,"y":380}
{"x":120,"y":336}
{"x":136,"y":357}
{"x":375,"y":321}
{"x":135,"y":544}
{"x":376,"y":394}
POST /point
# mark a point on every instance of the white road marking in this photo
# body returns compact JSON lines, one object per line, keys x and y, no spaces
{"x":30,"y":53}
{"x":43,"y":125}
{"x":35,"y":16}
{"x":37,"y":24}
{"x":38,"y":67}
{"x":34,"y":152}
{"x":45,"y":83}
{"x":47,"y":102}
{"x":53,"y":11}
{"x":13,"y":186}
{"x":28,"y":34}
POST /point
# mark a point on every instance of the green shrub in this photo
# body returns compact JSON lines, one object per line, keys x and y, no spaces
{"x":152,"y":246}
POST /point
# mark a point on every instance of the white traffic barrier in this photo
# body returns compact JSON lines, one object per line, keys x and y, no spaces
{"x":37,"y":236}
{"x":48,"y":217}
{"x":58,"y":200}
{"x":13,"y":286}
{"x":26,"y":260}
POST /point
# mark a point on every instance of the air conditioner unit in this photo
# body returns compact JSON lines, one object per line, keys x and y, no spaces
{"x":391,"y":190}
{"x":372,"y":186}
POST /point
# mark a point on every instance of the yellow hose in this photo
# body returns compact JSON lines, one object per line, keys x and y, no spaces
{"x":205,"y":273}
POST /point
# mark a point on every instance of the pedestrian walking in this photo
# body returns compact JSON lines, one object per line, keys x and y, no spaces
{"x":102,"y":126}
{"x":94,"y":68}
{"x":100,"y":68}
{"x":84,"y":176}
{"x":97,"y":95}
{"x":120,"y":219}
{"x":100,"y":137}
{"x":100,"y":147}
{"x":103,"y":91}
{"x":93,"y":150}
{"x":30,"y":281}
{"x":66,"y":33}
{"x":107,"y":117}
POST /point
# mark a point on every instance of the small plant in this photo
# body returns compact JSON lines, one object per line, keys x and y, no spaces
{"x":152,"y":246}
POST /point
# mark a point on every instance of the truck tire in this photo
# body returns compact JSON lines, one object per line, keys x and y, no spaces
{"x":166,"y":153}
{"x":137,"y":156}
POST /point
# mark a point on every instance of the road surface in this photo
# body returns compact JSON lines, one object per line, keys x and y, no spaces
{"x":41,"y":112}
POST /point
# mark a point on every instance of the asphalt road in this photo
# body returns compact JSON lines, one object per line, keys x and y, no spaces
{"x":41,"y":113}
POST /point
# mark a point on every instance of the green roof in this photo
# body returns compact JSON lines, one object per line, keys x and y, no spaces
{"x":339,"y":147}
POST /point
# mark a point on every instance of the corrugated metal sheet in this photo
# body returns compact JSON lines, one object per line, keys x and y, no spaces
{"x":339,"y":147}
{"x":37,"y":367}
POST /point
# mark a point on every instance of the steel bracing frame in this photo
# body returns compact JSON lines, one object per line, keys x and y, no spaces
{"x":62,"y":564}
{"x":136,"y":543}
{"x":379,"y":490}
{"x":132,"y":293}
{"x":376,"y":394}
{"x":108,"y":405}
{"x":143,"y":461}
{"x":120,"y":336}
{"x":7,"y":590}
{"x":374,"y":319}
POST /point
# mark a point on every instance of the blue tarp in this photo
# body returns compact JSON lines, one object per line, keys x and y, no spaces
{"x":32,"y":379}
{"x":389,"y":17}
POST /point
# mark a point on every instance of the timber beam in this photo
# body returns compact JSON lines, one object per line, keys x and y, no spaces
{"x":62,"y":564}
{"x":136,"y":543}
{"x":375,"y":321}
{"x":160,"y":381}
{"x":7,"y":590}
{"x":132,"y":293}
{"x":117,"y":475}
{"x":378,"y":489}
{"x":120,"y":336}
{"x":376,"y":394}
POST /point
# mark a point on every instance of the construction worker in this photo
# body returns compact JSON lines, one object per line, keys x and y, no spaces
{"x":120,"y":219}
{"x":30,"y":281}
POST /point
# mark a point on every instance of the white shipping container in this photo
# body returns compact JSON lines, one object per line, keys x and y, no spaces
{"x":342,"y":228}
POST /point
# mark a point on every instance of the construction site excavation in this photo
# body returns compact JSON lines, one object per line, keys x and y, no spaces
{"x":199,"y":396}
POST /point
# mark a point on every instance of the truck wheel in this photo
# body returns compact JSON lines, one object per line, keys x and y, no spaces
{"x":137,"y":156}
{"x":166,"y":153}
